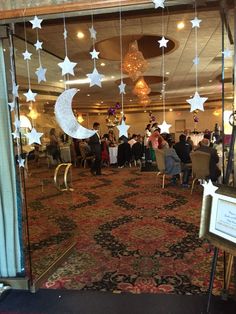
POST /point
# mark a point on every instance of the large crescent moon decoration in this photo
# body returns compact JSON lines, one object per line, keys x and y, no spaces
{"x":66,"y":119}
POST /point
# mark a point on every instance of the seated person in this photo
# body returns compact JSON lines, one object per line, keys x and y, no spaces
{"x":172,"y":163}
{"x":214,"y":158}
{"x":53,"y":148}
{"x":124,"y":152}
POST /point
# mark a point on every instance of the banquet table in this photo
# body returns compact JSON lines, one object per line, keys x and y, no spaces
{"x":113,"y":154}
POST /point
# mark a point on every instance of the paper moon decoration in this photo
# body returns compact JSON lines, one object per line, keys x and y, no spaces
{"x":65,"y":116}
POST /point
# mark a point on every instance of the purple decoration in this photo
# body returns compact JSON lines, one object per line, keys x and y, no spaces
{"x":195,"y":118}
{"x":117,"y":106}
{"x":111,"y":111}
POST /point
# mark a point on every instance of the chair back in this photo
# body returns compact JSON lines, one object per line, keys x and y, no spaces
{"x":83,"y":151}
{"x":160,"y":159}
{"x":200,"y":164}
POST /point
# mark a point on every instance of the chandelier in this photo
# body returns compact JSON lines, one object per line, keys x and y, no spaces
{"x":145,"y":101}
{"x":134,"y":63}
{"x":141,"y":89}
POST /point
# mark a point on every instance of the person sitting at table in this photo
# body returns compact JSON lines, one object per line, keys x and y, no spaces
{"x":172,"y":163}
{"x":53,"y":148}
{"x":105,"y":150}
{"x":124,"y":152}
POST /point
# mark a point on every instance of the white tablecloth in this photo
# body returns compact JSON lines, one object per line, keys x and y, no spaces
{"x":113,"y":154}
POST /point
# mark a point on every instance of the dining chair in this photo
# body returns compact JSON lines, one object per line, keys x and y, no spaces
{"x":200,"y":166}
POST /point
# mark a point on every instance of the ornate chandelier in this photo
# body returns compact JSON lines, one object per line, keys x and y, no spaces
{"x":134,"y":63}
{"x":141,"y":89}
{"x":145,"y":101}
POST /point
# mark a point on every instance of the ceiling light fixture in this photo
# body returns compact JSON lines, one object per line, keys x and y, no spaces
{"x":180,"y":25}
{"x":170,"y":109}
{"x":103,"y":64}
{"x":80,"y":35}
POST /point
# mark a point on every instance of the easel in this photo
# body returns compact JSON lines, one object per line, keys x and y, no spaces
{"x":227,"y":268}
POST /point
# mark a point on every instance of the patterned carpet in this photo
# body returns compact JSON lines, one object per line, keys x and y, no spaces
{"x":131,"y":235}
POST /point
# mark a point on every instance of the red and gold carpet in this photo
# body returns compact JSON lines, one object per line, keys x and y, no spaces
{"x":131,"y":234}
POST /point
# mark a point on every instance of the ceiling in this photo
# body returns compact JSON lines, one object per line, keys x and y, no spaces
{"x":146,"y":26}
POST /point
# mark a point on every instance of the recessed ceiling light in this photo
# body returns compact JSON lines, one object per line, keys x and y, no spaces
{"x":145,"y":110}
{"x":180,"y":25}
{"x":131,"y":100}
{"x":121,"y":112}
{"x":210,"y":81}
{"x":170,"y":109}
{"x":101,"y":101}
{"x":4,"y":49}
{"x":80,"y":35}
{"x":102,"y":64}
{"x":112,"y":76}
{"x":88,"y":95}
{"x":60,"y":80}
{"x":167,"y":73}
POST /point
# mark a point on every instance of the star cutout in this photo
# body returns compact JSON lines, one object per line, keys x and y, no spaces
{"x":40,"y":72}
{"x":95,"y":78}
{"x":164,"y":127}
{"x":16,"y":134}
{"x":34,"y":136}
{"x":38,"y":44}
{"x":123,"y":128}
{"x":227,"y":53}
{"x":122,"y":87}
{"x":209,"y":188}
{"x":94,"y":54}
{"x":30,"y":95}
{"x":36,"y":22}
{"x":196,"y":102}
{"x":17,"y":124}
{"x":15,"y":90}
{"x":21,"y":162}
{"x":67,"y":66}
{"x":159,"y":3}
{"x":65,"y":34}
{"x":27,"y":55}
{"x":163,"y":42}
{"x":196,"y":22}
{"x":12,"y":105}
{"x":196,"y":61}
{"x":92,"y":32}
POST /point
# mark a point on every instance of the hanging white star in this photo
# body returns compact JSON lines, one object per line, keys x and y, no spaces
{"x":34,"y":136}
{"x":12,"y":105}
{"x":94,"y":54}
{"x":164,"y":127}
{"x":38,"y":45}
{"x":196,"y":22}
{"x":95,"y":78}
{"x":21,"y":161}
{"x":65,"y":34}
{"x":40,"y":72}
{"x":30,"y":96}
{"x":159,"y":3}
{"x":123,"y":129}
{"x":122,"y":87}
{"x":92,"y":33}
{"x":227,"y":53}
{"x":196,"y":60}
{"x":67,"y":66}
{"x":15,"y":90}
{"x":209,"y":188}
{"x":36,"y":22}
{"x":16,"y":134}
{"x":196,"y":102}
{"x":17,"y":124}
{"x":163,"y":42}
{"x":27,"y":55}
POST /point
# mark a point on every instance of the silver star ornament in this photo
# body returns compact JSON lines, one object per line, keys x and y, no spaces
{"x":30,"y":96}
{"x":95,"y":78}
{"x":196,"y":61}
{"x":36,"y":22}
{"x":122,"y":87}
{"x":40,"y":72}
{"x":209,"y":188}
{"x":163,"y":42}
{"x":15,"y":90}
{"x":123,"y":129}
{"x":17,"y":124}
{"x":21,"y":162}
{"x":227,"y":53}
{"x":196,"y":22}
{"x":93,"y":33}
{"x":196,"y":102}
{"x":159,"y":3}
{"x":94,"y":54}
{"x":27,"y":55}
{"x":38,"y":45}
{"x":67,"y":66}
{"x":34,"y":136}
{"x":65,"y":34}
{"x":12,"y":105}
{"x":164,"y":127}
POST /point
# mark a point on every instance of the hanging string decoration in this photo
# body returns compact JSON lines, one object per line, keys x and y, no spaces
{"x":196,"y":102}
{"x":163,"y":44}
{"x":66,"y":66}
{"x":40,"y":71}
{"x":95,"y":78}
{"x":122,"y":128}
{"x":227,"y":52}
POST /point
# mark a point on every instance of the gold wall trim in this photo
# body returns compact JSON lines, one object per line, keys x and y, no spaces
{"x":68,"y":7}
